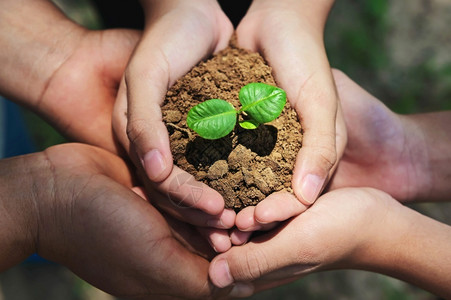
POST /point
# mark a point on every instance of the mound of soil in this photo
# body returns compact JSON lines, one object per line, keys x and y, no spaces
{"x":246,"y":165}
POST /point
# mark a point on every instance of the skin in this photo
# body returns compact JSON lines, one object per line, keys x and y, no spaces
{"x":351,"y":228}
{"x":69,"y":75}
{"x":157,"y":62}
{"x":294,"y":48}
{"x":403,"y":155}
{"x":164,"y":53}
{"x":358,"y":228}
{"x":82,"y":213}
{"x":385,"y":151}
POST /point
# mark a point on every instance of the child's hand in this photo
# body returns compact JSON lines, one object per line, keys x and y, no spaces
{"x":405,"y":156}
{"x":289,"y":35}
{"x":352,"y":228}
{"x":326,"y":234}
{"x":177,"y":35}
{"x":266,"y":215}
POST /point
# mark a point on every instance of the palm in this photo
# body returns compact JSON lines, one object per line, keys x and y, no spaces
{"x":375,"y":154}
{"x":111,"y":237}
{"x":80,"y":96}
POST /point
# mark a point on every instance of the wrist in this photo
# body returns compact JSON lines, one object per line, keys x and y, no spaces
{"x":429,"y":147}
{"x":312,"y":13}
{"x":155,"y":8}
{"x":411,"y":247}
{"x":37,"y":38}
{"x":19,"y":207}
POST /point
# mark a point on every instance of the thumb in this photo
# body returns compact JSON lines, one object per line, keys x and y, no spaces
{"x":271,"y":256}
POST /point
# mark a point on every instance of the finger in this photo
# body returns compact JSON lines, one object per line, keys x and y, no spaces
{"x":278,"y":207}
{"x":184,"y":190}
{"x":311,"y":92}
{"x":158,"y":61}
{"x":180,"y":187}
{"x":224,"y":220}
{"x":218,"y":238}
{"x":258,"y":258}
{"x":190,"y":238}
{"x":245,"y":220}
{"x":238,"y":237}
{"x":317,"y":107}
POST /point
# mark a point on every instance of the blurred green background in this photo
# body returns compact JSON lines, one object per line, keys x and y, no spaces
{"x":397,"y":50}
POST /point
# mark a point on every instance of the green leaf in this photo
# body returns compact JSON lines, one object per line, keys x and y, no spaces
{"x":249,"y":124}
{"x":212,"y":119}
{"x":262,"y":102}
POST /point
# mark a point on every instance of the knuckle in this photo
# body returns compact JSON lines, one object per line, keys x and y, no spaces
{"x":256,"y":265}
{"x":136,"y":130}
{"x":321,"y":149}
{"x":326,"y":157}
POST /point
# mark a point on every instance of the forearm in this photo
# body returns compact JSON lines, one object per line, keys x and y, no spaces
{"x":156,"y":8}
{"x":18,"y":218}
{"x":34,"y":42}
{"x":429,"y":148}
{"x":313,"y":13}
{"x":413,"y":248}
{"x":435,"y":138}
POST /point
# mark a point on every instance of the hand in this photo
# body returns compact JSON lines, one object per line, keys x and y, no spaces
{"x":178,"y":34}
{"x":65,"y":73}
{"x":345,"y":229}
{"x":400,"y":155}
{"x":294,"y":49}
{"x":385,"y":150}
{"x":80,"y":96}
{"x":82,"y":213}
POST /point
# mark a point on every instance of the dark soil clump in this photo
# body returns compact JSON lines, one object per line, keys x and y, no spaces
{"x":247,"y":165}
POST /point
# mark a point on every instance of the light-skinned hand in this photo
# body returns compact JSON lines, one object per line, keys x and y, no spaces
{"x":177,"y":35}
{"x":350,"y":228}
{"x":289,"y":35}
{"x":403,"y":155}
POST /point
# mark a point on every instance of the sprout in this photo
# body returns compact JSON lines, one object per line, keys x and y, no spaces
{"x":215,"y":118}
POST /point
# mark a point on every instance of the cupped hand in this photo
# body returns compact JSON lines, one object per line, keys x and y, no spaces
{"x":385,"y":150}
{"x":334,"y":233}
{"x":177,"y":35}
{"x":289,"y":34}
{"x":89,"y":219}
{"x":378,"y":154}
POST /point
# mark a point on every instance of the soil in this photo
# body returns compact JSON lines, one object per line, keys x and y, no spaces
{"x":247,"y":165}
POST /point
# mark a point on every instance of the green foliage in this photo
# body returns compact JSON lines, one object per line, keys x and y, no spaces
{"x":212,"y":119}
{"x":262,"y":102}
{"x":215,"y":118}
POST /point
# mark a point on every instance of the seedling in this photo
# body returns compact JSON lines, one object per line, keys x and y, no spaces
{"x":216,"y":118}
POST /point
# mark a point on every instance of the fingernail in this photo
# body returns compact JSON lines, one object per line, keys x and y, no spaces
{"x":242,"y":290}
{"x":311,"y":187}
{"x":154,"y":164}
{"x":216,"y":223}
{"x":222,"y":273}
{"x":238,"y":237}
{"x":212,"y":245}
